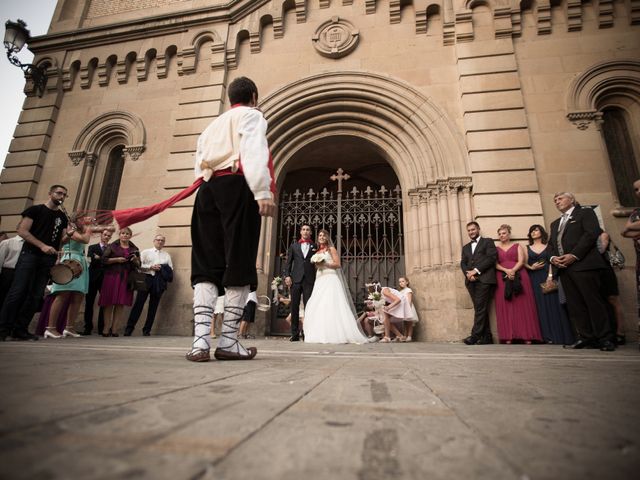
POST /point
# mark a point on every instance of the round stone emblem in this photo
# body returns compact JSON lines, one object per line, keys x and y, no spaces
{"x":335,"y":38}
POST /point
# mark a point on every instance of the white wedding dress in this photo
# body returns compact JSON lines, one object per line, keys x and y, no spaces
{"x":329,"y":317}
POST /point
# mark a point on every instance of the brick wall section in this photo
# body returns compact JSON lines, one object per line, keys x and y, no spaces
{"x":100,"y":8}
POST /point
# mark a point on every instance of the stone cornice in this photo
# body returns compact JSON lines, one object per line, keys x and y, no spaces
{"x":143,"y":28}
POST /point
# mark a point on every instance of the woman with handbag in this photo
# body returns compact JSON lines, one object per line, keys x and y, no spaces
{"x":554,"y":324}
{"x":516,"y":314}
{"x":119,"y":258}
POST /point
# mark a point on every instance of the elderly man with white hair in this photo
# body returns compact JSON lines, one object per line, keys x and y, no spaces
{"x":575,"y":255}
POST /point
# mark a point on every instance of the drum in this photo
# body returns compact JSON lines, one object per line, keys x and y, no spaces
{"x":65,"y":271}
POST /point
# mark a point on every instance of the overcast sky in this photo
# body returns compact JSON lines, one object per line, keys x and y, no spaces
{"x":37,"y":15}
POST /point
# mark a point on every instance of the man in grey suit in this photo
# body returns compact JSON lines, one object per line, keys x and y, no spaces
{"x":299,"y":276}
{"x":479,"y":267}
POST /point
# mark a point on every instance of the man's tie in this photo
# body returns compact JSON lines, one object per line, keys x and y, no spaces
{"x":563,"y":222}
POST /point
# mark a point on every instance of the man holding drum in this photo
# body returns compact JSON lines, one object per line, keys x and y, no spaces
{"x":42,"y":227}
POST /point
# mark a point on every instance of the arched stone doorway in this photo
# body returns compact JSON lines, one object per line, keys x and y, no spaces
{"x":364,"y":219}
{"x":421,"y":145}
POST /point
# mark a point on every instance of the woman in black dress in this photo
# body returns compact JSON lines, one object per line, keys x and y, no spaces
{"x":554,"y":323}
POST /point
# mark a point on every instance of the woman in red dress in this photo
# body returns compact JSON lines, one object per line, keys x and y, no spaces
{"x":516,"y":311}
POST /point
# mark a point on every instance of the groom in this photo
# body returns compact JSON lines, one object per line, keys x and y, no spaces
{"x":299,"y":276}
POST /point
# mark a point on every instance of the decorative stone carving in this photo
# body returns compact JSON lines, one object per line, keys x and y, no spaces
{"x":583,"y":119}
{"x":76,"y":157}
{"x":336,"y":38}
{"x":133,"y":151}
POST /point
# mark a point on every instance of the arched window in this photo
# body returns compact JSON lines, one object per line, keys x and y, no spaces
{"x":624,"y":161}
{"x":112,"y":179}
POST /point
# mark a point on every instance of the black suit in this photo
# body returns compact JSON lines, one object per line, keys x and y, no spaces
{"x":484,"y":259}
{"x":581,"y":280}
{"x":303,"y":276}
{"x":96,"y":274}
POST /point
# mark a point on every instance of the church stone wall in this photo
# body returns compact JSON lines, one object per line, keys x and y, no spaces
{"x":494,"y":76}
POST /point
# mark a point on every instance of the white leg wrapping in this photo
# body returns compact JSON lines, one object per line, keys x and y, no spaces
{"x":204,"y":299}
{"x":234,"y":302}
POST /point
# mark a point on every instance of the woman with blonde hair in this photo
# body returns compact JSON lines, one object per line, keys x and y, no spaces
{"x":76,"y":236}
{"x":516,"y":312}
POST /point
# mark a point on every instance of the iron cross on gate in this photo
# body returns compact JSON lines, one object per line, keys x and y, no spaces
{"x":339,"y":177}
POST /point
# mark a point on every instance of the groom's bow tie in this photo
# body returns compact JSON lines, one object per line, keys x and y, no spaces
{"x":302,"y":241}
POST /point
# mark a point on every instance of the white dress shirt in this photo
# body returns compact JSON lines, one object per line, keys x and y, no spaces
{"x":153,"y":256}
{"x":10,"y":251}
{"x":305,"y":249}
{"x":239,"y":133}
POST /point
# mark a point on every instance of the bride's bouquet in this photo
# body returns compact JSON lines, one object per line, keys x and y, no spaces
{"x":320,"y":257}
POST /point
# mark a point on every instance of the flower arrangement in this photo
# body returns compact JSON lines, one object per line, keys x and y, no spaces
{"x":375,"y":296}
{"x":276,"y":282}
{"x":320,"y":257}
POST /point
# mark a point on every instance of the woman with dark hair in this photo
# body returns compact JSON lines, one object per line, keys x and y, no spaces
{"x":554,"y":324}
{"x":119,"y":259}
{"x":330,"y":316}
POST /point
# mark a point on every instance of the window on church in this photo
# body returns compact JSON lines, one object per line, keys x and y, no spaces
{"x":623,"y":158}
{"x":112,"y":179}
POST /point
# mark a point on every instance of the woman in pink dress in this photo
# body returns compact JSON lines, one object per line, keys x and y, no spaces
{"x":119,"y":259}
{"x":516,"y":311}
{"x":398,"y":309}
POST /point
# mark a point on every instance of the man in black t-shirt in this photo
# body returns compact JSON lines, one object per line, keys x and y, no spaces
{"x":42,"y":227}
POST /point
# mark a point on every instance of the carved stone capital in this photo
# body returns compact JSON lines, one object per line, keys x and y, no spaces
{"x":133,"y":151}
{"x":582,"y":120}
{"x":335,"y":38}
{"x":76,"y":157}
{"x":91,"y":159}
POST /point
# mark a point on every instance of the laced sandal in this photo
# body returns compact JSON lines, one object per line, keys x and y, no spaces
{"x":198,"y":355}
{"x":221,"y":354}
{"x":385,"y":340}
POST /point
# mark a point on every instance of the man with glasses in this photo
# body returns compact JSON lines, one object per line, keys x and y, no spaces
{"x":41,"y":227}
{"x":158,"y":270}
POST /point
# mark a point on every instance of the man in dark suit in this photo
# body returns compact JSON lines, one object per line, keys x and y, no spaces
{"x":573,"y":243}
{"x":479,"y":267}
{"x":96,"y":274}
{"x":299,"y":276}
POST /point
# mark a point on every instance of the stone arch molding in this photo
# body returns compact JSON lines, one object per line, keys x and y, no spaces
{"x":421,"y":143}
{"x":105,"y":127}
{"x":413,"y":133}
{"x":597,"y":82}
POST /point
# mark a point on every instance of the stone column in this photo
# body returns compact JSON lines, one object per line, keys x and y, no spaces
{"x":434,"y":226}
{"x":424,"y":230}
{"x":445,"y":221}
{"x":454,"y":226}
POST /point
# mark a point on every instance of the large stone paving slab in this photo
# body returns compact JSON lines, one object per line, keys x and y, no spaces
{"x":95,"y":408}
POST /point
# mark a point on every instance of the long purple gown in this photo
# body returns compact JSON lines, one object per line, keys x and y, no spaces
{"x":518,"y":317}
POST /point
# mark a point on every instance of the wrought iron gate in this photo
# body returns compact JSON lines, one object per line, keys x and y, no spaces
{"x":370,"y":225}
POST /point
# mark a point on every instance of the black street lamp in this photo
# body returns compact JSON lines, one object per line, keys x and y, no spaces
{"x":15,"y":37}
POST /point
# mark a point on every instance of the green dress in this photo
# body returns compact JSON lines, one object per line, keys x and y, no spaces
{"x":74,"y":251}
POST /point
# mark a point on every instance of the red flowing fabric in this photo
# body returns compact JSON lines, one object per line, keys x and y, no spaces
{"x":129,"y":216}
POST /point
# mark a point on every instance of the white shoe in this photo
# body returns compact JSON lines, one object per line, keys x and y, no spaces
{"x":70,"y":333}
{"x":373,"y":339}
{"x":50,"y":333}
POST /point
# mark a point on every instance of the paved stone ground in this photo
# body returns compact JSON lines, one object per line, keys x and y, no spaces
{"x":133,"y":408}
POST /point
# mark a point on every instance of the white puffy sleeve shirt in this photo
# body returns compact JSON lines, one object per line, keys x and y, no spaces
{"x":238,"y":134}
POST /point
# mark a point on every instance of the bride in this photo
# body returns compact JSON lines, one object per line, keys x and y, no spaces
{"x":329,"y":314}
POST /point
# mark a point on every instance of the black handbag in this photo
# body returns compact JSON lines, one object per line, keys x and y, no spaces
{"x":137,"y":281}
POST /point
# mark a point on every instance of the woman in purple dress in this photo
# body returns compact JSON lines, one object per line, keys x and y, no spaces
{"x":554,"y":323}
{"x":119,"y":259}
{"x":515,"y":307}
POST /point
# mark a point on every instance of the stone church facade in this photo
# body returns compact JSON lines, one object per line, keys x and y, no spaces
{"x":470,"y":109}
